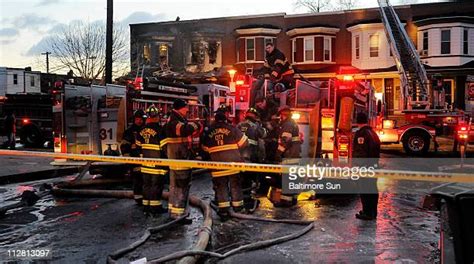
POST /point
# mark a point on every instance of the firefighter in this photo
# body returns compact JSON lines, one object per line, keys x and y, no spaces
{"x":255,"y":133}
{"x":365,"y":153}
{"x":150,"y":138}
{"x":276,"y":69}
{"x":178,"y":141}
{"x":288,"y":152}
{"x":223,"y":142}
{"x":268,"y":111}
{"x":130,"y":148}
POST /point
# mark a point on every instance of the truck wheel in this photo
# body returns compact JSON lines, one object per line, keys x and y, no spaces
{"x":31,"y":137}
{"x":416,"y":143}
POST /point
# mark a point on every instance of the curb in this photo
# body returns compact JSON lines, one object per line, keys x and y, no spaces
{"x":37,"y":175}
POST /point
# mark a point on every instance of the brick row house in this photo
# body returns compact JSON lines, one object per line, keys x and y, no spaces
{"x":319,"y":44}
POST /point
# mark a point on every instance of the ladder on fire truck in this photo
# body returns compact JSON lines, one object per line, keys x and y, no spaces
{"x":415,"y":83}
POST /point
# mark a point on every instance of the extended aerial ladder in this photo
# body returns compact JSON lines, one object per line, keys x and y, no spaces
{"x":415,"y":83}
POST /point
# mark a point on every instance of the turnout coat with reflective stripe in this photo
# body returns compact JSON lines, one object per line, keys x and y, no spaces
{"x":254,"y":132}
{"x":276,"y":65}
{"x":149,"y":139}
{"x":289,"y":142}
{"x":129,"y":146}
{"x":223,"y":141}
{"x":177,"y":131}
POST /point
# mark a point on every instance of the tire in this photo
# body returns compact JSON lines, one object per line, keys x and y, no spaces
{"x":31,"y":137}
{"x":416,"y":143}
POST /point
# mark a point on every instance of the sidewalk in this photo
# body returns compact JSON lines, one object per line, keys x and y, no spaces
{"x":18,"y":169}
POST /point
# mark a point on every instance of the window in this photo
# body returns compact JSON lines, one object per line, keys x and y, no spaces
{"x":32,"y":80}
{"x":425,"y":42}
{"x":308,"y":49}
{"x":374,"y":45}
{"x":357,"y":47}
{"x":146,"y":53}
{"x":250,"y":47}
{"x":327,"y":49}
{"x":15,"y":78}
{"x":445,"y":41}
{"x":465,"y":43}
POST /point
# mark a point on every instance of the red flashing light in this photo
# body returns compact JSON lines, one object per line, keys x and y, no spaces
{"x":239,"y":82}
{"x":463,"y":128}
{"x":348,"y":78}
{"x":26,"y":121}
{"x":138,"y":83}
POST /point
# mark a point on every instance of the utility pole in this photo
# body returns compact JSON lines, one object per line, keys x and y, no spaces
{"x":109,"y":41}
{"x":47,"y":60}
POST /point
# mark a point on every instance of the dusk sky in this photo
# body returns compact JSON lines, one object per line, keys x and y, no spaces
{"x":25,"y":23}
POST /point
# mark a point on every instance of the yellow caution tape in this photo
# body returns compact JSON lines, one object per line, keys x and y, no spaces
{"x":255,"y":167}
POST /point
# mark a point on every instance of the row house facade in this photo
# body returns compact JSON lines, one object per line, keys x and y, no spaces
{"x":318,"y":45}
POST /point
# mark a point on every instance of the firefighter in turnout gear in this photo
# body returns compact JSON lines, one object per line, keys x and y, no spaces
{"x":255,"y":133}
{"x":366,"y":153}
{"x":223,"y":142}
{"x":150,"y":138}
{"x":179,"y":132}
{"x":130,"y":148}
{"x":288,"y":152}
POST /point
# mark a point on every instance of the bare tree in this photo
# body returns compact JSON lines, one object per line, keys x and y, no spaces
{"x":80,"y":46}
{"x":314,"y":6}
{"x":346,"y":4}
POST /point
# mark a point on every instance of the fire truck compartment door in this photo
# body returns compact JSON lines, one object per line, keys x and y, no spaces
{"x":108,"y":119}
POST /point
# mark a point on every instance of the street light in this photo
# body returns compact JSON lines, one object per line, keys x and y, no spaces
{"x":232,"y":83}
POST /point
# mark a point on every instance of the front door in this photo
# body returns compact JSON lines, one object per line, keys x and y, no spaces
{"x":389,"y":94}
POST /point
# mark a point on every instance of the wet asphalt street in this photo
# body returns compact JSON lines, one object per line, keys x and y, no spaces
{"x":86,"y":230}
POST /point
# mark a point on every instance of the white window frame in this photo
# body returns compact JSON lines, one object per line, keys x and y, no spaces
{"x":441,"y":41}
{"x":304,"y":48}
{"x":357,"y":47}
{"x":254,"y":49}
{"x":370,"y":45}
{"x":329,"y":48}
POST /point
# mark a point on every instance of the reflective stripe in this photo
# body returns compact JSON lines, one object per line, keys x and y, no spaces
{"x":155,"y":203}
{"x":281,"y":148}
{"x":178,"y":129}
{"x":242,"y":141}
{"x":179,"y":168}
{"x":176,"y":140}
{"x":295,"y":139}
{"x":194,"y":125}
{"x":153,"y":171}
{"x":286,"y":198}
{"x":288,"y":72}
{"x":137,"y":196}
{"x":224,"y":173}
{"x":253,"y":142}
{"x":206,"y":149}
{"x":280,"y":61}
{"x":146,"y":202}
{"x":290,"y":161}
{"x":222,"y":148}
{"x":137,"y":169}
{"x":286,"y":135}
{"x":238,"y":203}
{"x":176,"y":210}
{"x":151,"y":146}
{"x":223,"y":204}
{"x":138,"y":143}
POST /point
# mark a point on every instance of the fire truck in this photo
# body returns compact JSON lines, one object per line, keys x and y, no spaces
{"x":92,"y":119}
{"x":425,"y":115}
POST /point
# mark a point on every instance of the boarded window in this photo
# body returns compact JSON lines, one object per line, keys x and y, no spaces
{"x":318,"y":47}
{"x":32,"y":80}
{"x":374,"y":45}
{"x":465,"y":42}
{"x":298,"y":51}
{"x":308,"y":49}
{"x":250,"y":49}
{"x":357,"y":47}
{"x":445,"y":41}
